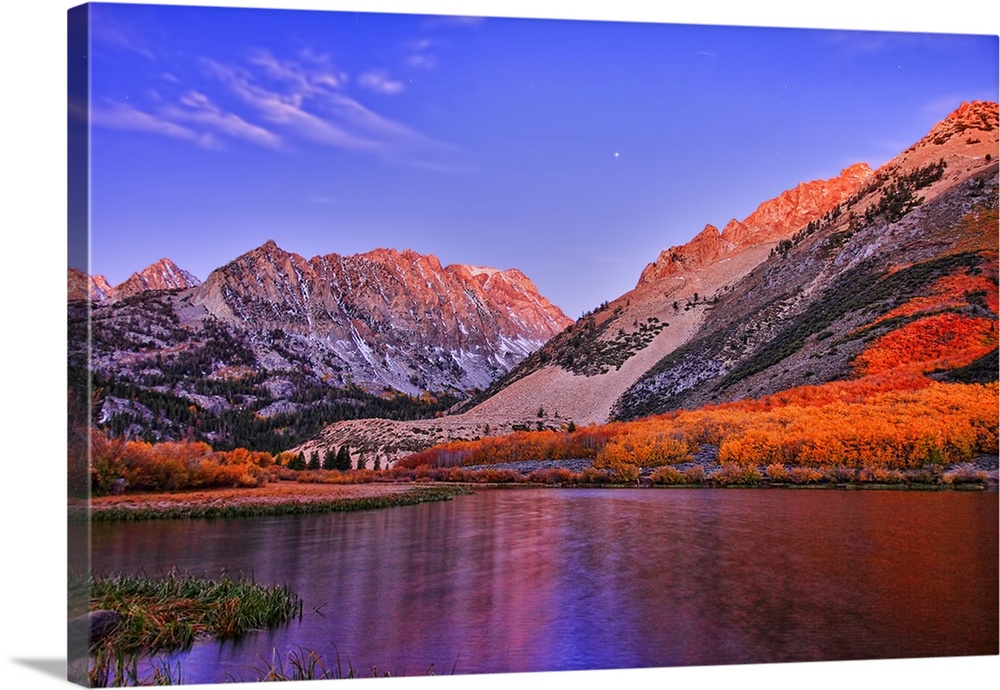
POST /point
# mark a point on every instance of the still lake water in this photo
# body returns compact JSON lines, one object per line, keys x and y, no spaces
{"x":549,"y":579}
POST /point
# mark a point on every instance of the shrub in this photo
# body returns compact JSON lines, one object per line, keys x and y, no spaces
{"x":880,"y":475}
{"x":805,"y":475}
{"x":592,"y":475}
{"x":668,"y":475}
{"x":964,"y":475}
{"x":554,"y":475}
{"x":623,"y":474}
{"x":731,"y":473}
{"x":777,"y":472}
{"x":924,"y":475}
{"x":695,"y":474}
{"x":838,"y":474}
{"x":496,"y":476}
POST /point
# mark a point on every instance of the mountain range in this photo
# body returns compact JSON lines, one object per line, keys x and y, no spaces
{"x":271,"y":338}
{"x":787,"y":296}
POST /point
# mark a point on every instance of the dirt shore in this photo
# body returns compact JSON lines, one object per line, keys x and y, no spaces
{"x":273,"y":492}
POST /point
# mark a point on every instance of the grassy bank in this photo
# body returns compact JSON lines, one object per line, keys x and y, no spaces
{"x":170,"y":613}
{"x":293,"y":499}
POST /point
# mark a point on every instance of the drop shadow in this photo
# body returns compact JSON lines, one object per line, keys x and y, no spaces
{"x":50,"y":667}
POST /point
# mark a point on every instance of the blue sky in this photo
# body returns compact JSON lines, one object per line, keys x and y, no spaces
{"x":573,"y":150}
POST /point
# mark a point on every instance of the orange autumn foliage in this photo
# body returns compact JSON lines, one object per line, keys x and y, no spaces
{"x":948,"y":292}
{"x":586,"y":442}
{"x":652,"y":444}
{"x":941,"y":341}
{"x":939,"y":424}
{"x":890,"y":421}
{"x":170,"y":465}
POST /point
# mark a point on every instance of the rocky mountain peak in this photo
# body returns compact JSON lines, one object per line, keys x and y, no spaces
{"x":387,"y":318}
{"x":964,"y":140}
{"x":100,"y":288}
{"x":775,"y":219}
{"x":161,"y":275}
{"x":968,"y":118}
{"x":77,"y":284}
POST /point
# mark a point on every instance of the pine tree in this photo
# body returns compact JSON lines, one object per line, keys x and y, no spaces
{"x":330,"y":459}
{"x":361,"y":461}
{"x":314,"y":461}
{"x":378,"y":464}
{"x":297,"y":463}
{"x":344,"y":459}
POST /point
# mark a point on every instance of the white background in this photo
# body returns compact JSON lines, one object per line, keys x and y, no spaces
{"x":32,"y":390}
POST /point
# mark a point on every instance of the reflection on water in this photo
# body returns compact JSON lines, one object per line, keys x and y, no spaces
{"x":532,"y":580}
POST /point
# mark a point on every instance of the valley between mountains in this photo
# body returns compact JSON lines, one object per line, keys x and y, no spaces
{"x":848,"y":322}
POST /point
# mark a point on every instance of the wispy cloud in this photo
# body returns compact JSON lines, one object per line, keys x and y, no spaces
{"x":454,"y":21}
{"x":379,"y":82}
{"x":304,"y":79}
{"x":287,"y":108}
{"x":861,"y":43}
{"x":199,"y":109}
{"x":309,"y":101}
{"x":419,"y":55}
{"x":273,"y":102}
{"x":107,"y":30}
{"x":193,"y":118}
{"x":320,"y":199}
{"x":126,"y":117}
{"x":422,"y":61}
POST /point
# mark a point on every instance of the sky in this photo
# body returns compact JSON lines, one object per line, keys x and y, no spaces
{"x":573,"y":150}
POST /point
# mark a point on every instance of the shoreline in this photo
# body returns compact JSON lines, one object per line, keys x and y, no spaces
{"x":276,"y":498}
{"x":296,"y":497}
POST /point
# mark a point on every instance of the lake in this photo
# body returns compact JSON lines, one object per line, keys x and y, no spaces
{"x":558,"y":579}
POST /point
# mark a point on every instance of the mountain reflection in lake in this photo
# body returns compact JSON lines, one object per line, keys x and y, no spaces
{"x":535,"y":579}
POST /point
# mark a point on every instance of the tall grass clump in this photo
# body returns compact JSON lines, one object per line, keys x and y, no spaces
{"x":171,"y":612}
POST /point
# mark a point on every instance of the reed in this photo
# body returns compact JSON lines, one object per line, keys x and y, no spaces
{"x":115,"y":669}
{"x":305,"y":664}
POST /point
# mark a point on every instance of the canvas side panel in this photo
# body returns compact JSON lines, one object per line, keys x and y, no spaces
{"x":78,"y":342}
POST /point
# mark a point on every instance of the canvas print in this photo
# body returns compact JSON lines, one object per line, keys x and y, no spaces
{"x":409,"y":345}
